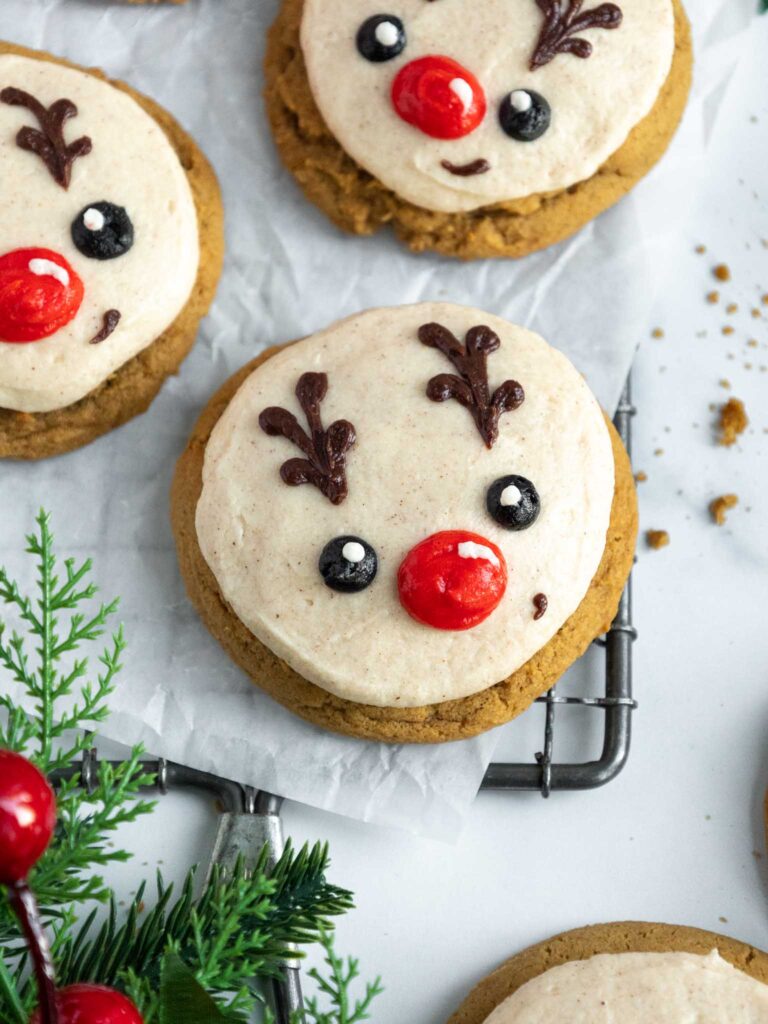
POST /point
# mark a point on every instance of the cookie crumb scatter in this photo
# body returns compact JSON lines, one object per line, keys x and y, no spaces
{"x":733,"y":421}
{"x":732,"y":307}
{"x":713,"y":297}
{"x":656,"y":539}
{"x":657,"y":332}
{"x":718,"y":507}
{"x":641,"y":477}
{"x":722,"y":272}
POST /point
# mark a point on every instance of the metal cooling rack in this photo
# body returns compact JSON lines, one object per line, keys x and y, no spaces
{"x":544,"y":773}
{"x":249,"y":819}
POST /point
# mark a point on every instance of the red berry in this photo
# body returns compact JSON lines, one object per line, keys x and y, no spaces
{"x":39,"y":294}
{"x":440,"y":97}
{"x":92,"y":1004}
{"x":27,"y":816}
{"x":452,"y":580}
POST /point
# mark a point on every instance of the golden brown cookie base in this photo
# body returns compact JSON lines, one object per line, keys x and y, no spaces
{"x":436,"y":723}
{"x":359,"y":203}
{"x":621,"y":937}
{"x":130,"y":389}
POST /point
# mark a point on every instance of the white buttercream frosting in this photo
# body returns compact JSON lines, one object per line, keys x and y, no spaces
{"x":595,"y":102}
{"x":133,"y":165}
{"x":638,"y":988}
{"x":418,"y":467}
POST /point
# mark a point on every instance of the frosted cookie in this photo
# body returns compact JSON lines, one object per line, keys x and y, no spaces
{"x":407,"y":526}
{"x":111,"y":244}
{"x":476,"y":130}
{"x":630,"y":972}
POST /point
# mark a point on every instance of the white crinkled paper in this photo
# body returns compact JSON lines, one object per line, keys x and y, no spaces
{"x":289,"y":272}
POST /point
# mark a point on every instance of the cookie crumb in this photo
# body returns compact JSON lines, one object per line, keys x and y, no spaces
{"x":713,"y":297}
{"x":718,"y":507}
{"x":752,"y":343}
{"x":657,"y":332}
{"x":725,"y":383}
{"x":656,"y":539}
{"x":659,"y":451}
{"x":700,"y":249}
{"x":641,"y":477}
{"x":764,"y":299}
{"x":727,"y":330}
{"x":732,"y":307}
{"x":733,"y":421}
{"x":722,"y":272}
{"x":756,"y":314}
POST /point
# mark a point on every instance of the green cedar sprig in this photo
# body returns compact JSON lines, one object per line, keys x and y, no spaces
{"x":46,"y":717}
{"x":209,"y":951}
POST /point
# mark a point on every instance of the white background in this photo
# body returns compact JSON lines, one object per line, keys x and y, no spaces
{"x":675,"y":838}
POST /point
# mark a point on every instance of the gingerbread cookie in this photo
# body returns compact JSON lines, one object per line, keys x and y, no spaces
{"x":382,"y":521}
{"x":474,"y":130}
{"x":633,"y":972}
{"x":111,"y":245}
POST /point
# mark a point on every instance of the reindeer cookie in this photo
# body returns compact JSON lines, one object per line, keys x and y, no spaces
{"x":630,"y":972}
{"x":407,"y":526}
{"x":110,"y":251}
{"x":476,"y":130}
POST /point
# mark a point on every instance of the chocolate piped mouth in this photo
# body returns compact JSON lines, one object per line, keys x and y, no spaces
{"x":110,"y":321}
{"x":467,"y":170}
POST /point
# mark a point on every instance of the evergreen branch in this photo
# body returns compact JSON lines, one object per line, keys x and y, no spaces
{"x":337,"y":988}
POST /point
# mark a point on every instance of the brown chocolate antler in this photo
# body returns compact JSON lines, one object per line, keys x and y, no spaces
{"x":562,"y":20}
{"x":47,"y":142}
{"x":325,"y":450}
{"x":471,"y":388}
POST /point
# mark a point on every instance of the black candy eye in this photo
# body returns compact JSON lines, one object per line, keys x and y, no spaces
{"x":513,"y":502}
{"x":524,"y":115}
{"x":348,"y":564}
{"x":102,"y":231}
{"x":381,"y":38}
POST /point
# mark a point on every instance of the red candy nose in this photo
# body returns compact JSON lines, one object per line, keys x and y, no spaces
{"x":440,"y":97}
{"x":39,"y":294}
{"x":452,"y":580}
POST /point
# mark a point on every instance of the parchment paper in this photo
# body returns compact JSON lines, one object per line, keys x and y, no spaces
{"x":288,"y":273}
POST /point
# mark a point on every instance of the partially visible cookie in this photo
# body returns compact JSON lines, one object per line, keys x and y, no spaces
{"x":109,"y":256}
{"x":301,"y":585}
{"x":505,"y":147}
{"x":616,"y":938}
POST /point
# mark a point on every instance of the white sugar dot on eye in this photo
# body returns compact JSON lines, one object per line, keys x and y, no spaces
{"x":353,"y":552}
{"x":47,"y":268}
{"x":463,"y":90}
{"x":510,"y":496}
{"x":469,"y":549}
{"x":93,"y":219}
{"x":386,"y":33}
{"x":520,"y":100}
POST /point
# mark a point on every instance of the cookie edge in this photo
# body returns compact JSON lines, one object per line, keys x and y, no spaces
{"x":33,"y":436}
{"x":616,"y":937}
{"x":504,"y":230}
{"x":437,"y":723}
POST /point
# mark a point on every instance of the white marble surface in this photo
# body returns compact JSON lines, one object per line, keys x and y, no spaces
{"x":678,"y":837}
